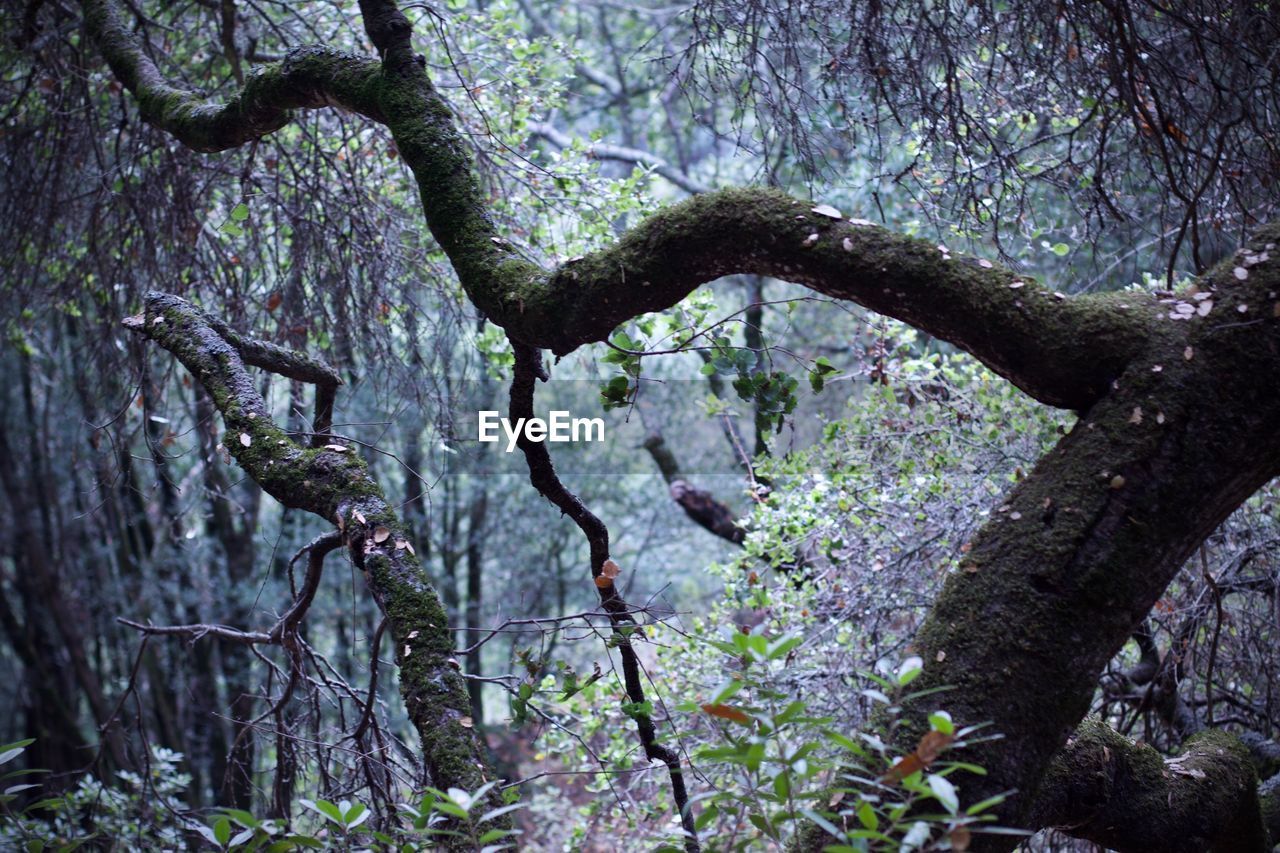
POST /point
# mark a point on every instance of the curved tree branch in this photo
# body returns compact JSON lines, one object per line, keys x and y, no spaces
{"x":1064,"y":352}
{"x":308,"y":77}
{"x":1061,"y":351}
{"x":542,"y":474}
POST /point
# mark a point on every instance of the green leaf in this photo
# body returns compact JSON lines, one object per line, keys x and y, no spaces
{"x":867,"y":816}
{"x":324,"y":808}
{"x":1061,"y":249}
{"x":240,"y":212}
{"x":498,"y":812}
{"x":222,"y":831}
{"x":983,"y":805}
{"x":242,"y":817}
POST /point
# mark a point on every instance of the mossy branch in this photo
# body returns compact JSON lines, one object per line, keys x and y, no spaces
{"x":1126,"y":796}
{"x":309,"y":77}
{"x":334,"y":482}
{"x":1062,"y":351}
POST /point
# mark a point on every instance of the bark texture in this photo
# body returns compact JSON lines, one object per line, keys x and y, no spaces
{"x":1127,"y":796}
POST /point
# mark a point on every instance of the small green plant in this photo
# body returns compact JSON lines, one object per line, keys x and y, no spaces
{"x":454,"y":806}
{"x":883,"y":799}
{"x":125,"y":816}
{"x":786,"y":769}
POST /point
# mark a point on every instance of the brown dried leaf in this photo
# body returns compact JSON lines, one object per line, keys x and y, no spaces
{"x":927,"y":752}
{"x":726,"y":712}
{"x":610,"y":569}
{"x":381,"y":534}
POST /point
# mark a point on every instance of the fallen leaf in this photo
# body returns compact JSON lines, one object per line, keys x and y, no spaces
{"x":336,"y":448}
{"x":610,"y":569}
{"x":1136,"y":417}
{"x":1241,"y":273}
{"x":466,"y":722}
{"x":245,"y":439}
{"x":828,"y":211}
{"x":381,"y":534}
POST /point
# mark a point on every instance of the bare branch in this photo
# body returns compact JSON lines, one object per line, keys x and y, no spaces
{"x":604,"y":151}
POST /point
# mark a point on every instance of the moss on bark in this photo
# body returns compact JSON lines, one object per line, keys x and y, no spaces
{"x":1128,"y":797}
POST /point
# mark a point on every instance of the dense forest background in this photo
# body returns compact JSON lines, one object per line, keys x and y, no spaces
{"x":788,"y":478}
